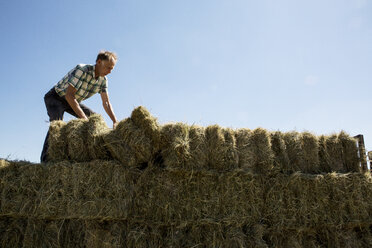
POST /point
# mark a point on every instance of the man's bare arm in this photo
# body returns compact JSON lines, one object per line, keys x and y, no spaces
{"x":70,"y":98}
{"x":108,"y":108}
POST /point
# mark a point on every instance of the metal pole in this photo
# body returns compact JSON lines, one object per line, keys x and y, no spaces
{"x":362,"y":152}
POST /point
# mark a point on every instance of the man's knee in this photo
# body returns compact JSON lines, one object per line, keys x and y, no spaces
{"x":87,"y":111}
{"x":55,"y":112}
{"x":55,"y":108}
{"x":55,"y":117}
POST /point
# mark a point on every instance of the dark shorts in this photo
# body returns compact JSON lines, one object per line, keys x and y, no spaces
{"x":57,"y":106}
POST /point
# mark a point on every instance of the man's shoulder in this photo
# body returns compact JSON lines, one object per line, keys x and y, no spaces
{"x":84,"y":67}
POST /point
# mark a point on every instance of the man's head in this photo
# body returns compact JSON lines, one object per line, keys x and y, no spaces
{"x":105,"y":62}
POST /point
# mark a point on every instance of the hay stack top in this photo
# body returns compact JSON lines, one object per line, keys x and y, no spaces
{"x":140,"y":140}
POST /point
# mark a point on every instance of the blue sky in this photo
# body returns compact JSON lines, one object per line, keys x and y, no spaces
{"x":281,"y":65}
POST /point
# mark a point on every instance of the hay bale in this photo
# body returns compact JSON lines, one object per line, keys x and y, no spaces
{"x":96,"y":129}
{"x":291,"y":238}
{"x":53,"y":194}
{"x":175,"y":145}
{"x":41,"y":233}
{"x":334,"y":150}
{"x":303,"y":152}
{"x":76,"y":133}
{"x":207,"y":233}
{"x":135,"y":138}
{"x":350,"y":197}
{"x":310,"y":153}
{"x":349,"y":152}
{"x":243,"y":145}
{"x":144,"y":235}
{"x":198,"y":148}
{"x":184,"y":146}
{"x":331,"y":153}
{"x":129,"y":144}
{"x":142,"y":118}
{"x":173,"y":197}
{"x":30,"y":232}
{"x":100,"y":234}
{"x":79,"y":140}
{"x":308,"y":201}
{"x":221,"y":147}
{"x":119,"y":149}
{"x":20,"y":188}
{"x":261,"y":149}
{"x":12,"y":232}
{"x":101,"y":190}
{"x":258,"y":231}
{"x":344,"y":237}
{"x":57,"y":150}
{"x":105,"y":204}
{"x":202,"y":233}
{"x":97,"y":189}
{"x":280,"y":159}
{"x":324,"y":158}
{"x":255,"y":152}
{"x":293,"y":144}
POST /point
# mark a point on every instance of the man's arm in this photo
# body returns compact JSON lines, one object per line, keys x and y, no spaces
{"x":108,"y":108}
{"x":70,"y":98}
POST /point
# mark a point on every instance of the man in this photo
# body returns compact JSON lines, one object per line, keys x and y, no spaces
{"x":79,"y":84}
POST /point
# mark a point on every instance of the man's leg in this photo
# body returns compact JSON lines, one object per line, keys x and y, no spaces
{"x":87,"y":111}
{"x":55,"y":109}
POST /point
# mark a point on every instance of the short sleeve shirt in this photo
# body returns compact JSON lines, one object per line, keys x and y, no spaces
{"x":82,"y":78}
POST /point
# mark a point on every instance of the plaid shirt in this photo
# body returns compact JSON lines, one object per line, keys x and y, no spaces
{"x":82,"y":78}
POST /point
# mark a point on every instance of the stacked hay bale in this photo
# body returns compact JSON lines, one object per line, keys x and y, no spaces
{"x":57,"y":150}
{"x":78,"y":140}
{"x":254,"y":149}
{"x":135,"y":141}
{"x":175,"y":146}
{"x":97,"y":129}
{"x":106,"y":204}
{"x":338,"y":153}
{"x":212,"y":187}
{"x":138,"y":140}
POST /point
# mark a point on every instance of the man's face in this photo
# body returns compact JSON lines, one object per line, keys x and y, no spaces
{"x":104,"y":67}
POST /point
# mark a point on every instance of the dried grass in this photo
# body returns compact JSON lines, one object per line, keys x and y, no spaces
{"x":98,"y":189}
{"x":139,"y":140}
{"x":338,"y":153}
{"x":129,"y":144}
{"x":142,"y":118}
{"x":57,"y":150}
{"x":307,"y":201}
{"x":106,"y":204}
{"x":184,"y":146}
{"x":280,"y":156}
{"x":97,"y":129}
{"x":177,"y":197}
{"x":216,"y":187}
{"x":221,"y":148}
{"x":255,"y":153}
{"x":77,"y":140}
{"x":175,"y":145}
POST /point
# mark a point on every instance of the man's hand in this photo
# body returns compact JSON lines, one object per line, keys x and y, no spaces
{"x":108,"y":108}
